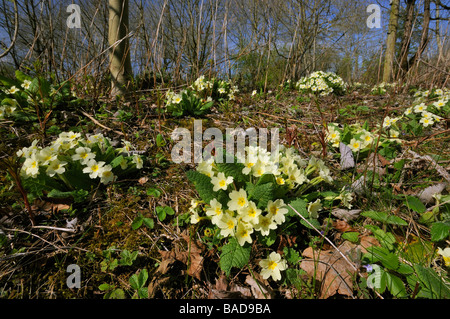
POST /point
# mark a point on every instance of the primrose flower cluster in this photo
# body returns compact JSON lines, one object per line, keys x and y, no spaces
{"x":422,"y":111}
{"x":69,"y":150}
{"x":323,"y":83}
{"x":9,"y":104}
{"x":425,"y":109}
{"x":361,"y":137}
{"x":237,"y":211}
{"x":215,"y":88}
{"x":382,"y":88}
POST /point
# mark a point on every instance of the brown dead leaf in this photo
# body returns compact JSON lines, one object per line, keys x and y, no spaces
{"x":155,"y":284}
{"x":191,"y":257}
{"x":342,"y":226}
{"x":143,"y":180}
{"x":331,"y":269}
{"x":260,"y":287}
{"x":47,"y":207}
{"x":367,"y":241}
{"x":346,"y":214}
{"x":222,"y":290}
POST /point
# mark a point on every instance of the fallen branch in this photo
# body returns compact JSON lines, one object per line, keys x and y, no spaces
{"x":100,"y":124}
{"x":438,"y":168}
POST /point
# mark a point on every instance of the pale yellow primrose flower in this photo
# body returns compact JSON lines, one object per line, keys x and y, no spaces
{"x":106,"y":175}
{"x":94,"y":168}
{"x":56,"y":167}
{"x":83,"y":154}
{"x":238,"y":200}
{"x":206,"y":167}
{"x":265,"y":224}
{"x":215,"y":211}
{"x":138,"y":161}
{"x":272,"y":266}
{"x":277,"y":210}
{"x":445,"y":253}
{"x":355,"y":145}
{"x":221,"y":181}
{"x":251,"y":213}
{"x":13,"y":90}
{"x":243,"y":233}
{"x":26,"y":84}
{"x":314,"y":208}
{"x":227,"y":224}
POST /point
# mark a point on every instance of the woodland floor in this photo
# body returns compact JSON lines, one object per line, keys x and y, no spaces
{"x":33,"y":263}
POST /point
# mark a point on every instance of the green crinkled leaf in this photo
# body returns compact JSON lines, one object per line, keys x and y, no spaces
{"x":261,"y":193}
{"x":301,"y":207}
{"x":138,"y":281}
{"x":386,"y":239}
{"x":234,"y":255}
{"x":203,"y":185}
{"x":385,"y":218}
{"x":77,"y":195}
{"x":233,"y":169}
{"x":440,"y":231}
{"x":380,"y":254}
{"x":351,"y":236}
{"x":117,"y":161}
{"x":42,"y":183}
{"x":22,"y":76}
{"x":415,"y":204}
{"x":436,"y":288}
{"x":396,"y":286}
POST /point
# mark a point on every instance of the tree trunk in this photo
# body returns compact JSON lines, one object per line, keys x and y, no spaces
{"x":406,"y":40}
{"x":424,"y":38}
{"x":120,"y":63}
{"x":390,"y":42}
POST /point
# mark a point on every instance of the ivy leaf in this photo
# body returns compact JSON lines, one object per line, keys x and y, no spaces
{"x":234,"y":255}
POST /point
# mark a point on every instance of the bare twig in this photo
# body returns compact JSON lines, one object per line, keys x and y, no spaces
{"x":16,"y":29}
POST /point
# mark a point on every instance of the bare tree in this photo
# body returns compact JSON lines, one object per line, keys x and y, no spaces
{"x":390,"y":42}
{"x":118,"y":34}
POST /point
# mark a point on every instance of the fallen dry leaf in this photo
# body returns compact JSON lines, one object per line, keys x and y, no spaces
{"x":346,"y":214}
{"x":47,"y":207}
{"x":330,"y":268}
{"x":143,"y":180}
{"x":222,"y":290}
{"x":260,"y":288}
{"x":342,"y":226}
{"x":191,"y":257}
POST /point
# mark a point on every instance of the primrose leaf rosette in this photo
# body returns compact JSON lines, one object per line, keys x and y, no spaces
{"x":256,"y":202}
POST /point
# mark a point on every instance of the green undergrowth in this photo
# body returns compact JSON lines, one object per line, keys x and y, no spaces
{"x":139,"y":237}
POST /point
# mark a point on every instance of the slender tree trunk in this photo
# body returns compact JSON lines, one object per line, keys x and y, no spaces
{"x":424,"y":38}
{"x":406,"y":40}
{"x":390,"y":43}
{"x":438,"y":33}
{"x":120,"y":63}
